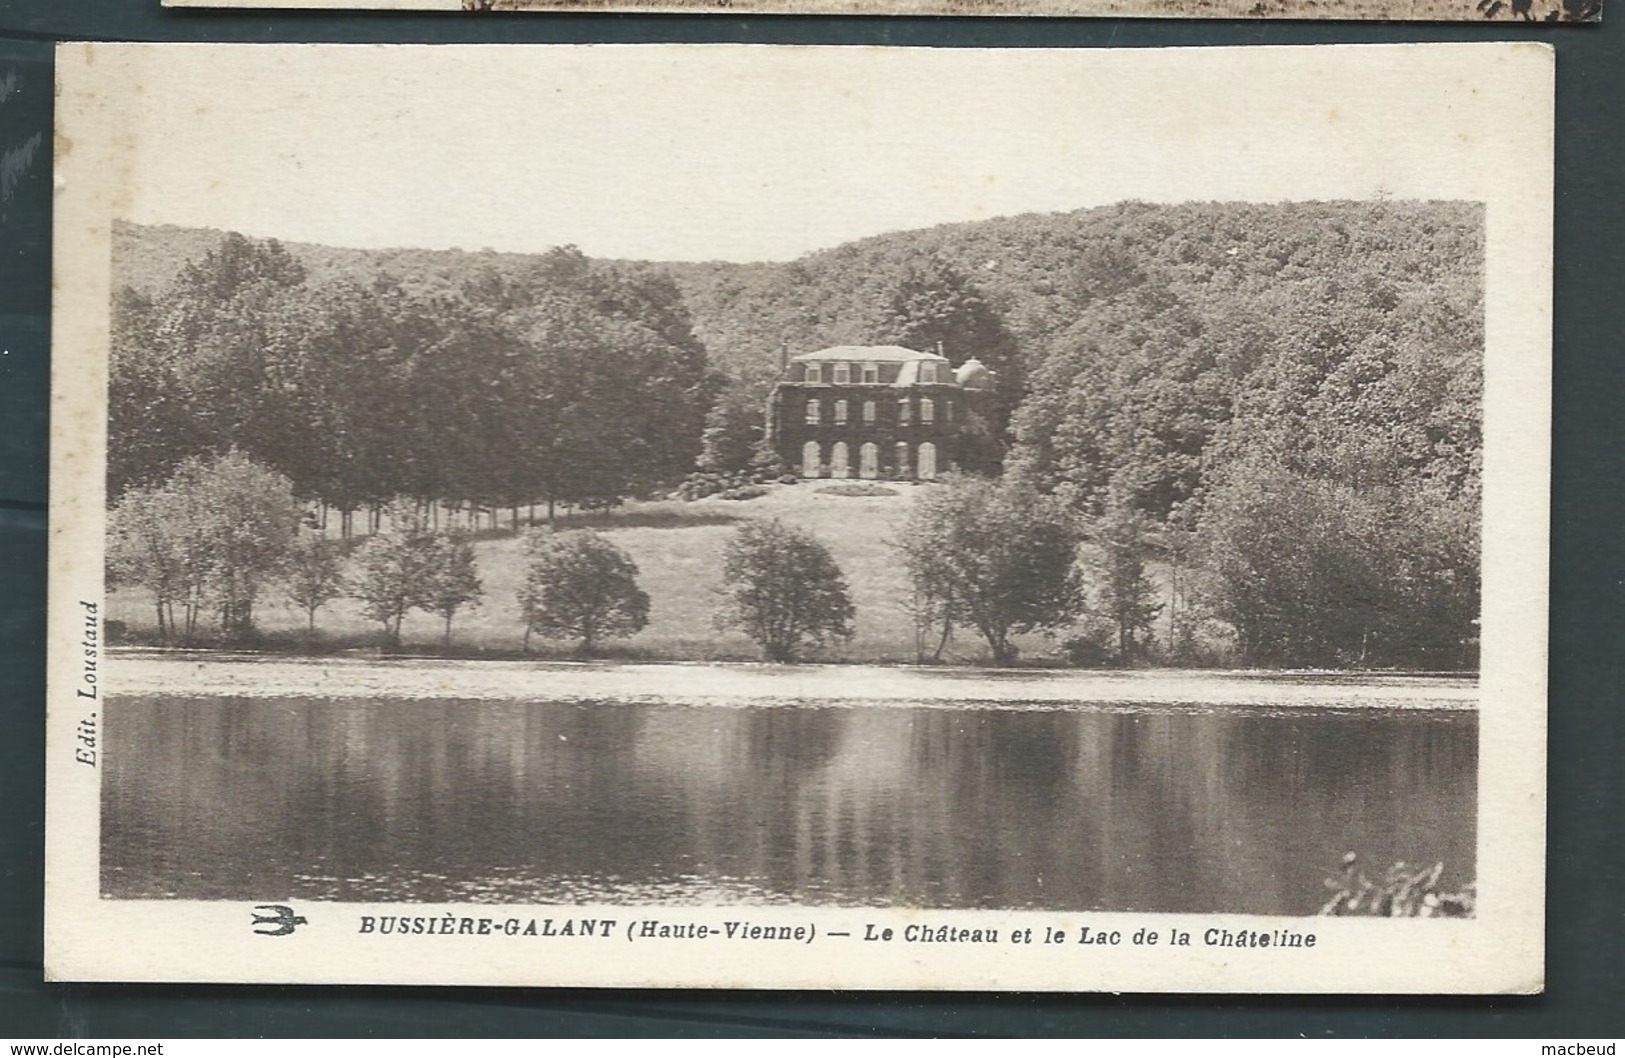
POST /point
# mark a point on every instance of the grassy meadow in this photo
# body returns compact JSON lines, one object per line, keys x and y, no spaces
{"x":678,"y":547}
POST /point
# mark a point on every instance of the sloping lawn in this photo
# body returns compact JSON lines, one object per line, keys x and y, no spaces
{"x":678,"y":548}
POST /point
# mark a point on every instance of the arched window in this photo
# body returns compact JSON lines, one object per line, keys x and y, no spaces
{"x":843,"y":374}
{"x":838,"y":465}
{"x":928,"y":461}
{"x":868,"y":411}
{"x":928,"y":410}
{"x":869,"y":460}
{"x":815,"y":412}
{"x":902,"y":412}
{"x":811,"y":460}
{"x":840,"y":413}
{"x":902,"y":469}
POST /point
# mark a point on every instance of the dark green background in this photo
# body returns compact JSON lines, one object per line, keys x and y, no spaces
{"x":1586,"y":902}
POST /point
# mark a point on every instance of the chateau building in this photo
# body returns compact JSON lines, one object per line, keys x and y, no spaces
{"x":872,"y":411}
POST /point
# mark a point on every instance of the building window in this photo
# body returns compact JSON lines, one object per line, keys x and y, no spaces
{"x":928,"y":461}
{"x":928,"y":410}
{"x":838,"y":465}
{"x":868,"y":411}
{"x":871,"y":374}
{"x":948,"y":410}
{"x":902,"y":469}
{"x":815,"y":373}
{"x":840,"y":413}
{"x":928,"y":372}
{"x":902,"y":412}
{"x":869,"y":460}
{"x":815,"y":412}
{"x":811,"y":460}
{"x":843,"y":374}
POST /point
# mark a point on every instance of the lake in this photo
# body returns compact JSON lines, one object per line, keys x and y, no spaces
{"x":1115,"y":806}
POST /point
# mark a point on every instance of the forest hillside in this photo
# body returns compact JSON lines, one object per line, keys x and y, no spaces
{"x":1287,"y":396}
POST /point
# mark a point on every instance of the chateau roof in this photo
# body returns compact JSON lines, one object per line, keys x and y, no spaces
{"x":874,"y":354}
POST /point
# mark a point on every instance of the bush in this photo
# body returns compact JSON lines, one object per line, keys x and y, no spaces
{"x":783,"y":589}
{"x":992,"y":555}
{"x":1314,"y":572}
{"x":703,"y":483}
{"x":579,"y":585}
{"x":857,"y":490}
{"x":744,"y":492}
{"x":1090,"y":648}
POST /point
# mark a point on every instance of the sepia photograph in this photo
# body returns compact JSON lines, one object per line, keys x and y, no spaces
{"x":801,"y":517}
{"x":1509,"y":12}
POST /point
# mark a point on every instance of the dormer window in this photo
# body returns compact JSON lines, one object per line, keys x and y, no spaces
{"x":843,"y":374}
{"x":928,"y":372}
{"x":815,"y":373}
{"x":871,"y":374}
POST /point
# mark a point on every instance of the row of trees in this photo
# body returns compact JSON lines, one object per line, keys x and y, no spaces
{"x":222,"y":531}
{"x":562,"y":381}
{"x":996,"y":557}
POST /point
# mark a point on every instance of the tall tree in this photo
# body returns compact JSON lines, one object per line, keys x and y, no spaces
{"x":579,"y":585}
{"x":394,"y":570}
{"x":453,"y":580}
{"x":997,"y":556}
{"x":249,"y":517}
{"x":1125,"y":594}
{"x":315,"y":574}
{"x":935,"y":307}
{"x":145,"y":546}
{"x":212,"y":536}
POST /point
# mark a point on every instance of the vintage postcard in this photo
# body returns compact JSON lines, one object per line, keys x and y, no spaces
{"x":1351,"y":10}
{"x":787,"y":517}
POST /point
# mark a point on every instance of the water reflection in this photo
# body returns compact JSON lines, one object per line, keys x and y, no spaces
{"x":259,"y":799}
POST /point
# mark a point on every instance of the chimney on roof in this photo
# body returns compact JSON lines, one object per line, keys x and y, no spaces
{"x":784,"y":355}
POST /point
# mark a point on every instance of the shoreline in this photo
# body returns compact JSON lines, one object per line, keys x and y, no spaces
{"x":193,"y":675}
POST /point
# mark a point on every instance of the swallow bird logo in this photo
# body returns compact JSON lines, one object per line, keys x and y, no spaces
{"x":278,"y":915}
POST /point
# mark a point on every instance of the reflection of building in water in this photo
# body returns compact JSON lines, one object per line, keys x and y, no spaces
{"x":873,"y":411}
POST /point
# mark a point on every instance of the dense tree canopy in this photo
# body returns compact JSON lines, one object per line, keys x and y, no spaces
{"x":569,"y":381}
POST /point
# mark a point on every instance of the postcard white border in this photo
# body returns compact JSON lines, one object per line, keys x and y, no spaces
{"x":1501,"y":950}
